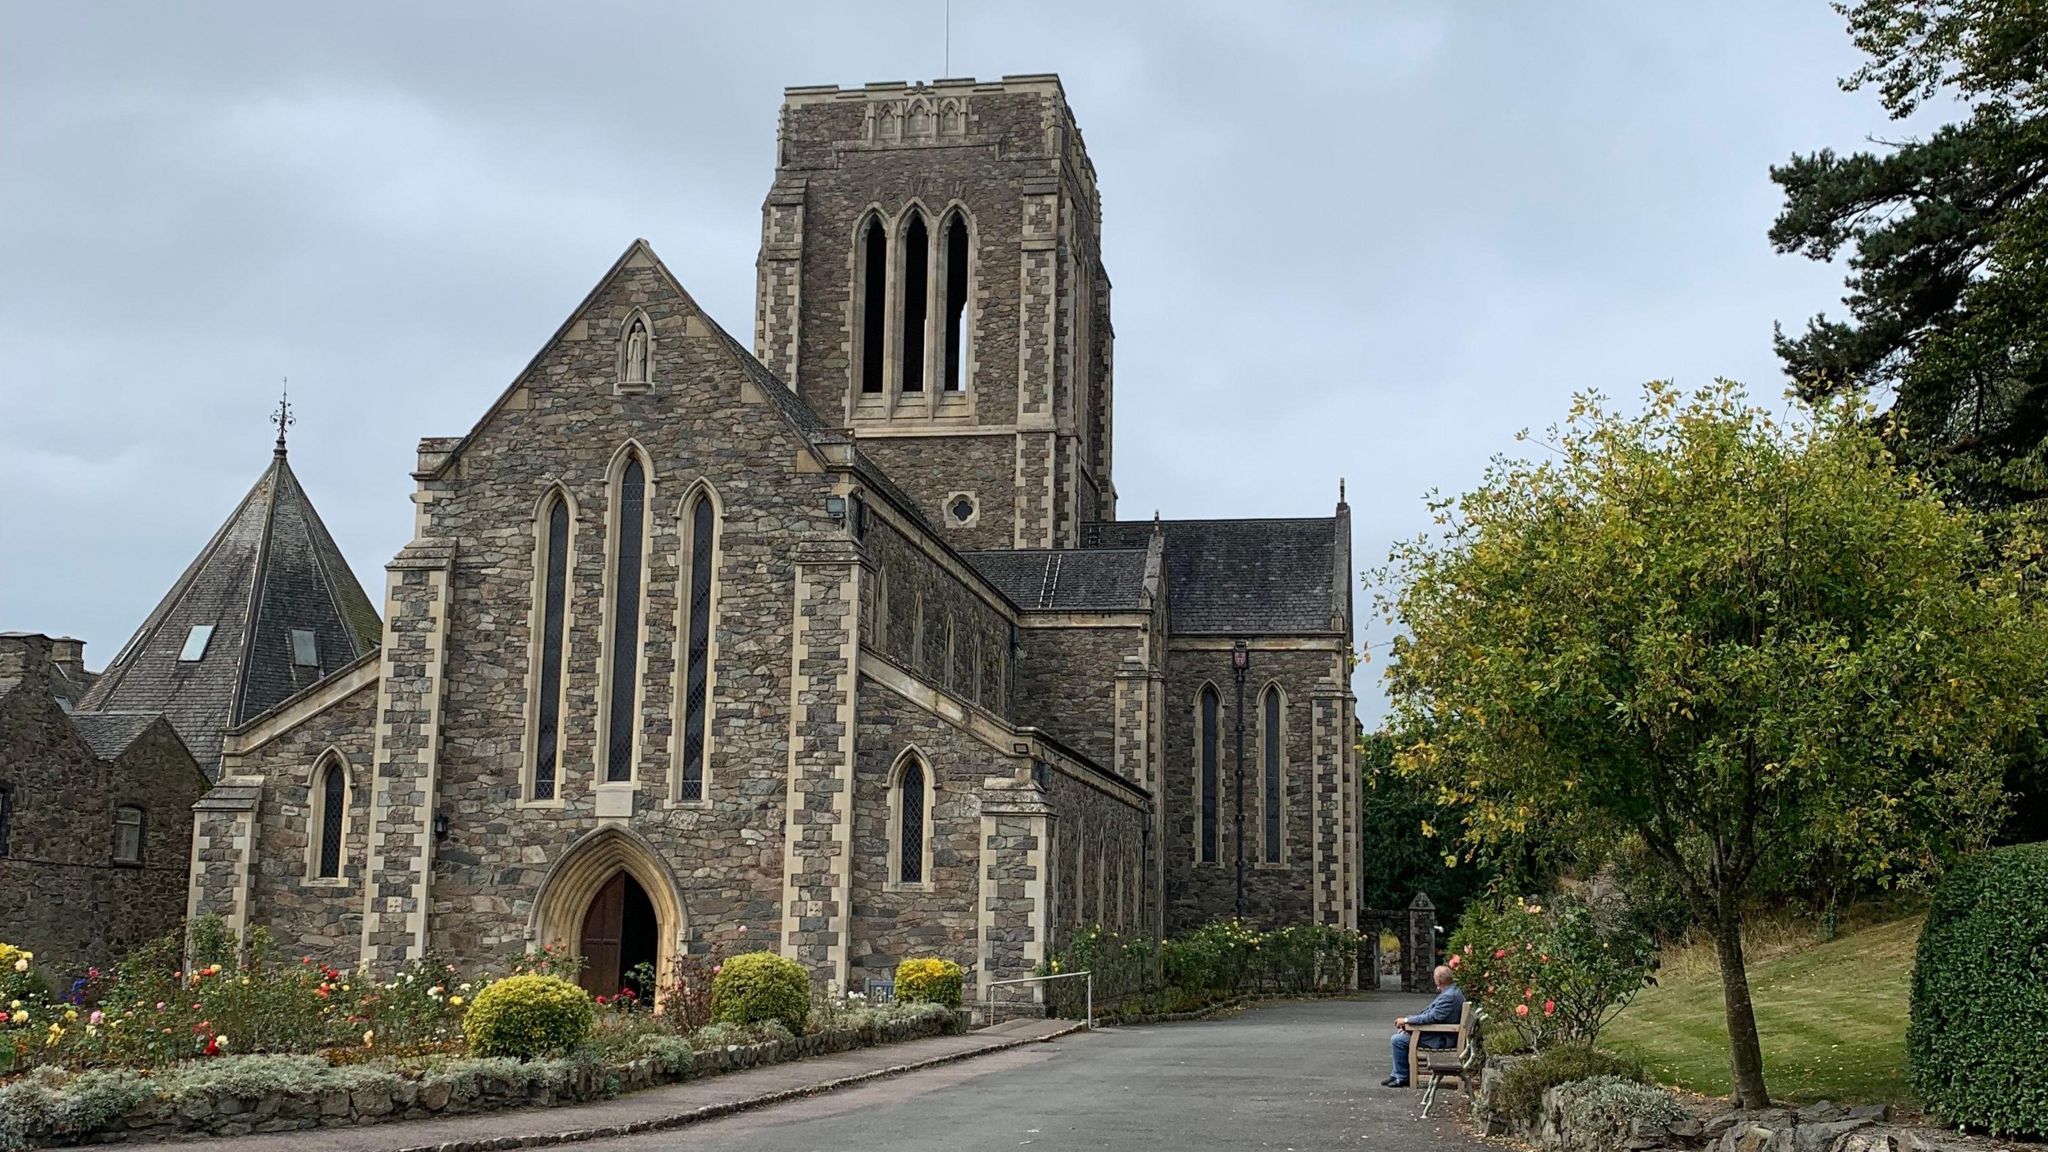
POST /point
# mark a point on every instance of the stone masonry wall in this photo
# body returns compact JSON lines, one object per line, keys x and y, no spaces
{"x":924,"y":604}
{"x":1275,"y":894}
{"x":1066,"y":685}
{"x":1098,"y":846}
{"x":61,"y":894}
{"x":305,"y":915}
{"x":940,"y":916}
{"x":701,"y":419}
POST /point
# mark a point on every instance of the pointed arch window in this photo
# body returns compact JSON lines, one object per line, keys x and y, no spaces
{"x":915,"y":280}
{"x":912,"y":807}
{"x":1274,"y":771}
{"x":553,"y":612}
{"x":1210,"y":707}
{"x":874,"y":317}
{"x":628,"y":551}
{"x":956,"y":302}
{"x":699,"y":550}
{"x":330,"y":810}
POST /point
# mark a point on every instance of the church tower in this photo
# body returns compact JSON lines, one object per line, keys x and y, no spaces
{"x":931,"y":276}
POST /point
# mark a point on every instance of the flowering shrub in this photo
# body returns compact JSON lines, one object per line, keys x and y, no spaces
{"x":1200,"y":966}
{"x":929,"y":980}
{"x":528,"y":1016}
{"x":1557,"y":972}
{"x":685,"y":1001}
{"x":756,"y":987}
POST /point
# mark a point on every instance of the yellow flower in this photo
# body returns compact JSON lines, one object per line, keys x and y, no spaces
{"x":370,"y":1039}
{"x":71,"y":1013}
{"x":21,"y":965}
{"x":20,"y":1016}
{"x":455,"y":1000}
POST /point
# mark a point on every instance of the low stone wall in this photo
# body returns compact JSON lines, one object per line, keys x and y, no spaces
{"x":1821,"y":1127}
{"x":370,"y":1094}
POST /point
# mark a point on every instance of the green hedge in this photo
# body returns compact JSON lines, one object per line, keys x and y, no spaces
{"x":1523,"y":1084}
{"x":756,"y":987}
{"x":527,"y":1017}
{"x":1977,"y":1047}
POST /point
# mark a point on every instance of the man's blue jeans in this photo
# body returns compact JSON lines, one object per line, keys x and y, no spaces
{"x":1400,"y":1043}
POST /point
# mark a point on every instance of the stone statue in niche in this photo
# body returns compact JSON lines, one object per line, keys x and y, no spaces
{"x":635,"y":369}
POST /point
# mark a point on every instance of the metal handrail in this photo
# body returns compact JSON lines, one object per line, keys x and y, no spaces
{"x":992,"y":985}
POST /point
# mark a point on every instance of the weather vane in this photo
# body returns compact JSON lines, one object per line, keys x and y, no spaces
{"x":283,"y":417}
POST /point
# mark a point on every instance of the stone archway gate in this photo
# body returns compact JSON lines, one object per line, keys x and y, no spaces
{"x":1415,"y":927}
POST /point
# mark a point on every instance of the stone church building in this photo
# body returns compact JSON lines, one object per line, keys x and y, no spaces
{"x":836,"y":645}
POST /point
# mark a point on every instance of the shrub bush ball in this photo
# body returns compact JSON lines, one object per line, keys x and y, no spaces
{"x":757,"y":987}
{"x":1977,"y":1044}
{"x":527,"y":1017}
{"x":929,"y":980}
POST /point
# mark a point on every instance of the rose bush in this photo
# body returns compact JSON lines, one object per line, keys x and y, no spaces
{"x":1557,"y":969}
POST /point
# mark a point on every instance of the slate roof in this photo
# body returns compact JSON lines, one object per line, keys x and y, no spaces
{"x":110,"y":733}
{"x":1240,"y":577}
{"x":1101,"y":579}
{"x":272,"y":567}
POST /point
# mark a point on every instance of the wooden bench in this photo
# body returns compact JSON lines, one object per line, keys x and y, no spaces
{"x":1462,"y":1060}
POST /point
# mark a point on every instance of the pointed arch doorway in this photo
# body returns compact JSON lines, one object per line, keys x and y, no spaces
{"x":612,"y":899}
{"x":620,"y":935}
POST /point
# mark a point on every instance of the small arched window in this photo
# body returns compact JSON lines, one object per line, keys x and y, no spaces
{"x":330,"y":808}
{"x":553,"y":592}
{"x":1270,"y":744}
{"x":916,"y":289}
{"x":874,"y":311}
{"x":911,"y":807}
{"x":956,"y":301}
{"x":702,"y":519}
{"x":1209,"y":778}
{"x":629,"y":530}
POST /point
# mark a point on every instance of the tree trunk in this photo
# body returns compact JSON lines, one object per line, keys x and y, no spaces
{"x":1745,"y":1055}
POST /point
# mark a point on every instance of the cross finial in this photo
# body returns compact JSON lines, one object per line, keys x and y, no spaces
{"x":283,"y":417}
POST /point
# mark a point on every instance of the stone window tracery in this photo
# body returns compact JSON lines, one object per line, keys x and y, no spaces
{"x":552,"y":620}
{"x":698,"y":573}
{"x":915,"y":279}
{"x":628,"y":550}
{"x":912,"y":806}
{"x":1209,"y":778}
{"x":330,"y":808}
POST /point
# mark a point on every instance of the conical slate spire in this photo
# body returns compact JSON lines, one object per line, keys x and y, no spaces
{"x":229,"y":640}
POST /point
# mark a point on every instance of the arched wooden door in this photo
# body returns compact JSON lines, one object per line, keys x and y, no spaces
{"x":619,"y":935}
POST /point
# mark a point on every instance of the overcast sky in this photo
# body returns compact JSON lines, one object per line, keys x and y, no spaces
{"x":1348,"y":239}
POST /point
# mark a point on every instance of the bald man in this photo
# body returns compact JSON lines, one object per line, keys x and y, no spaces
{"x":1448,"y":1006}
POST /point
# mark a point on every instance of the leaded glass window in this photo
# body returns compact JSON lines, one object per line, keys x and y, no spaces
{"x":554,"y":594}
{"x":910,"y":823}
{"x":625,"y":647}
{"x":333,"y":806}
{"x":1209,"y":777}
{"x":697,"y":659}
{"x":1269,"y":742}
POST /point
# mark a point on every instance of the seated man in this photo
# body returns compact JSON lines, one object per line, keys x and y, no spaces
{"x":1448,"y":1006}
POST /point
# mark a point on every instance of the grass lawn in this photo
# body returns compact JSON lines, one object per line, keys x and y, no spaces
{"x":1832,"y":1017}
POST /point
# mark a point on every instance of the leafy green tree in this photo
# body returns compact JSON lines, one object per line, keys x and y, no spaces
{"x":1733,"y":641}
{"x":1948,"y":240}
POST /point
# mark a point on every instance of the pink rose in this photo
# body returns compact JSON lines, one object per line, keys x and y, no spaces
{"x":1550,"y":1007}
{"x":1499,"y":952}
{"x":1521,"y":1009}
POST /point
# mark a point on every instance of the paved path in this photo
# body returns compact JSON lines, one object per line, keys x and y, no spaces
{"x":1298,"y":1076}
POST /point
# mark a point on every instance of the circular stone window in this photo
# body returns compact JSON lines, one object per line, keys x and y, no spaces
{"x":960,"y":509}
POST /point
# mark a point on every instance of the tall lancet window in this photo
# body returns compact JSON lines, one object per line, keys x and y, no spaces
{"x":703,"y":521}
{"x":910,"y":813}
{"x":1211,"y":778}
{"x":1269,"y":743}
{"x":874,"y":303}
{"x":956,"y":302}
{"x":916,"y":260}
{"x":548,"y":655}
{"x":332,"y":801}
{"x":629,"y":525}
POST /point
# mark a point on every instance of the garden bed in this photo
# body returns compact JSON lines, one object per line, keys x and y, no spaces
{"x":238,"y":1095}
